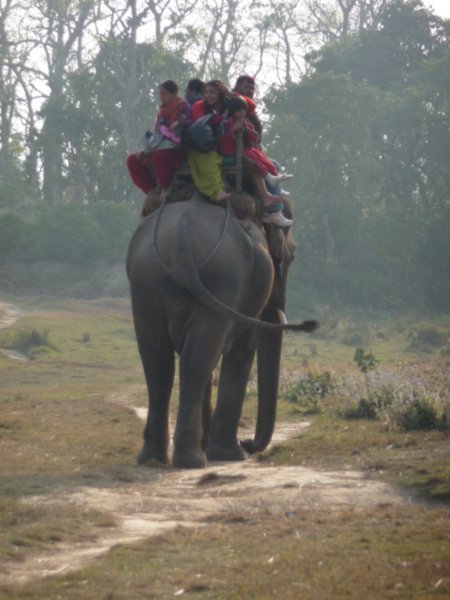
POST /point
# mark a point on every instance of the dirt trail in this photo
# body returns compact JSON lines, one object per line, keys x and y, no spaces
{"x":164,"y":498}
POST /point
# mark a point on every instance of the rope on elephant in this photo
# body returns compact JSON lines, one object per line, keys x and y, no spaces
{"x":210,"y":255}
{"x":219,"y":241}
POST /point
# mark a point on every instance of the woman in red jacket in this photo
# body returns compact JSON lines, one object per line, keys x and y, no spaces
{"x":205,"y":164}
{"x":156,"y":168}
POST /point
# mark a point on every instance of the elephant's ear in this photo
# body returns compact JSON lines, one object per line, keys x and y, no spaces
{"x":276,"y":240}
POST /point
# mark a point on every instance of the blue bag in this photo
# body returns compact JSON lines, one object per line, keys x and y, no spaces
{"x":201,"y":134}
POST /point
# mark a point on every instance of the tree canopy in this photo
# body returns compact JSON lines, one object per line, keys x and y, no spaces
{"x":356,"y":96}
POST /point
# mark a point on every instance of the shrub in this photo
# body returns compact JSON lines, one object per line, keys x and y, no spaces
{"x":412,"y":398}
{"x":365,"y":361}
{"x":29,"y":342}
{"x":420,"y":414}
{"x":14,"y":235}
{"x":374,"y":399}
{"x":427,"y":339}
{"x":370,"y":407}
{"x":69,"y":233}
{"x":308,"y":391}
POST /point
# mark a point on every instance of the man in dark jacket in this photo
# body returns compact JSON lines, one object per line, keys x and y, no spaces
{"x":194,"y":90}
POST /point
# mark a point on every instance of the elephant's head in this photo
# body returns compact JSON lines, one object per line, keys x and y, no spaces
{"x":282,"y":249}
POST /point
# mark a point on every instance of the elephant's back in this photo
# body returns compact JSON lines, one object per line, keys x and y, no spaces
{"x":199,"y":227}
{"x":198,"y":249}
{"x":196,"y":236}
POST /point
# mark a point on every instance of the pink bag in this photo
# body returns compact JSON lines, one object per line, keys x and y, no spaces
{"x":170,"y":134}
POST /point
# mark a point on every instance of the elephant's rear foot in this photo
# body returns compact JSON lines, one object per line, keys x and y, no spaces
{"x":231,"y":453}
{"x":150,"y":456}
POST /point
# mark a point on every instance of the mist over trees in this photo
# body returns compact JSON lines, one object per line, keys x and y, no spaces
{"x":356,"y":98}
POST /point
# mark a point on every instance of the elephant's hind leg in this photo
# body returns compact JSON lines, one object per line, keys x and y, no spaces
{"x":158,"y":360}
{"x":223,"y":443}
{"x":201,"y":351}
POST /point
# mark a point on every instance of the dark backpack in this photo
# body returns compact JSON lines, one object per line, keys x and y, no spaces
{"x":201,"y":135}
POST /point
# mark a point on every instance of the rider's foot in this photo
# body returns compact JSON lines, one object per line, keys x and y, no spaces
{"x":277,"y":219}
{"x":272,"y":180}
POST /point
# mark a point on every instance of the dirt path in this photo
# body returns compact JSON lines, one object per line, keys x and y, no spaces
{"x":165,"y":498}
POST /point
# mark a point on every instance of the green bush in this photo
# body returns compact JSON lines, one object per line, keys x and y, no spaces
{"x":29,"y":342}
{"x":377,"y":401}
{"x":308,"y":391}
{"x":69,"y":233}
{"x":427,"y":339}
{"x":14,"y":235}
{"x":365,"y":361}
{"x":420,"y":415}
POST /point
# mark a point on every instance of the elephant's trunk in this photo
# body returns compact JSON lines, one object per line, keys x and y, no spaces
{"x":268,"y":353}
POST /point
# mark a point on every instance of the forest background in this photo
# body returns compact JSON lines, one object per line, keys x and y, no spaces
{"x":355,"y":95}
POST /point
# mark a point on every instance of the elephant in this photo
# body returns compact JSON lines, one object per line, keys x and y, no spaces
{"x":204,"y":286}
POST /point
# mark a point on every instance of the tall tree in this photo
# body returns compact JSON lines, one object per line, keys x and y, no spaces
{"x":59,"y":27}
{"x":16,"y":114}
{"x":101,"y":126}
{"x":372,"y":137}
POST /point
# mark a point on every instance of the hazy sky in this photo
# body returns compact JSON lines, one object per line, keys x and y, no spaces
{"x":440,"y":7}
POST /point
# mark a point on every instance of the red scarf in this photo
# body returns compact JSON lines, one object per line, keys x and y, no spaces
{"x":171,"y":112}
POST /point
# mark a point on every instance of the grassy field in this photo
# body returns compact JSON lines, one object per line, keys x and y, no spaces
{"x":63,"y":425}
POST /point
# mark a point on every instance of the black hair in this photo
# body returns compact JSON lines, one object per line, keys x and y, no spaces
{"x":236,"y":103}
{"x":224,"y":94}
{"x":170,"y":86}
{"x":243,"y":79}
{"x":195,"y":85}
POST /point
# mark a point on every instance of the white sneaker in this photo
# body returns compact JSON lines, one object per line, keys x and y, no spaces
{"x":272,"y":180}
{"x":277,"y":219}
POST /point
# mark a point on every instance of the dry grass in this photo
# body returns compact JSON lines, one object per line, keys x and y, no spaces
{"x":28,"y":526}
{"x":60,"y":429}
{"x":384,"y":552}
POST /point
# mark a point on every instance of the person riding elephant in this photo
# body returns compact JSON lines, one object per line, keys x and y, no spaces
{"x":261,"y":166}
{"x":205,"y":164}
{"x":155,"y":169}
{"x":246,"y":86}
{"x":204,"y":286}
{"x":194,"y":91}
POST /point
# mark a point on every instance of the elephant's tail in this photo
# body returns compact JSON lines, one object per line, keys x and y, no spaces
{"x":190,"y":279}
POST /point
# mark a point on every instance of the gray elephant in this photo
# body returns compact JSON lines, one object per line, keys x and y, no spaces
{"x":204,"y":285}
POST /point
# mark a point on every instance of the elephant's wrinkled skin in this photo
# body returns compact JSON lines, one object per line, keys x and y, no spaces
{"x":186,"y":264}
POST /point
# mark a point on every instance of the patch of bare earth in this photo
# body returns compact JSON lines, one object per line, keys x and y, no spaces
{"x":165,"y":498}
